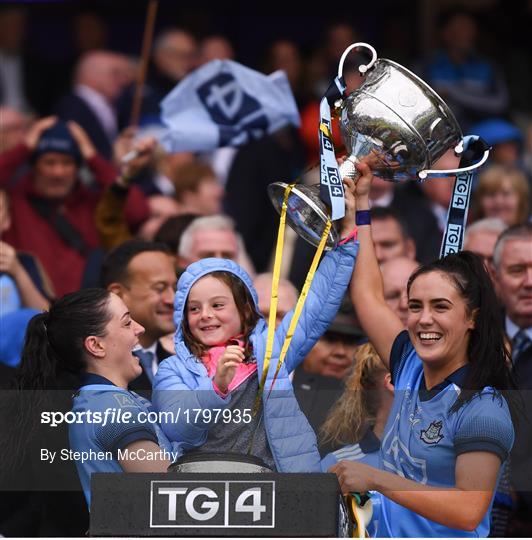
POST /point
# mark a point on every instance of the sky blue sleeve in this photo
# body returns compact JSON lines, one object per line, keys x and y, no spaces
{"x":485,"y":425}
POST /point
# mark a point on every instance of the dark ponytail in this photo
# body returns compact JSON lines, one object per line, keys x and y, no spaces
{"x":488,"y":354}
{"x":52,"y":359}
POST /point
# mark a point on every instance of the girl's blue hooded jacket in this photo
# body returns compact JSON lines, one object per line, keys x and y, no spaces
{"x":182,"y":382}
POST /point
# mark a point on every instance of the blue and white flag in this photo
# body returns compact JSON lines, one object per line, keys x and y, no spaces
{"x":224,"y":103}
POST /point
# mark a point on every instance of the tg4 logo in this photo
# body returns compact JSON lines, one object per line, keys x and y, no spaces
{"x":205,"y":504}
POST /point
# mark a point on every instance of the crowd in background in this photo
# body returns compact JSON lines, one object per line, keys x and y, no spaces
{"x":72,"y":215}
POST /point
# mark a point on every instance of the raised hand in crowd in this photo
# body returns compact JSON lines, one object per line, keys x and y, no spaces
{"x":126,"y":143}
{"x":87,"y":149}
{"x":37,"y":129}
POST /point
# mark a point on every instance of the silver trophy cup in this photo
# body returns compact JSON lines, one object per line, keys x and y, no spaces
{"x":393,"y":121}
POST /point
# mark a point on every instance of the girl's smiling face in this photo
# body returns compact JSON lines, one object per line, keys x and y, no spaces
{"x":438,"y":322}
{"x":211,"y":312}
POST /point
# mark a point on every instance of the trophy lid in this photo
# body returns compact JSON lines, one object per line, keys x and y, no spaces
{"x":306,"y":214}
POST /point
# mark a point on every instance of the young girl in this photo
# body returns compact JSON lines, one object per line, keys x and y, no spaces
{"x":212,"y":381}
{"x":89,"y":336}
{"x":450,"y":426}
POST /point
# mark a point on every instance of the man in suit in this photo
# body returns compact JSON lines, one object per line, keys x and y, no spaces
{"x":100,"y":77}
{"x":143,"y":275}
{"x":512,"y":263}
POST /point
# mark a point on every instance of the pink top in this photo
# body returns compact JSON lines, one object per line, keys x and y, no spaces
{"x":243,"y":371}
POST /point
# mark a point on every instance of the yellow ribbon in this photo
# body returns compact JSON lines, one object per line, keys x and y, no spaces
{"x":274,"y":297}
{"x":326,"y":130}
{"x":301,"y":301}
{"x":360,"y":515}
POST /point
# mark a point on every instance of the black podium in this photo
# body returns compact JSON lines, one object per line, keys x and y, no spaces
{"x":219,"y":504}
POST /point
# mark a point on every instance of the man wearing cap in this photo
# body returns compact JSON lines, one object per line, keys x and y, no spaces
{"x":53,"y":212}
{"x":318,"y":381}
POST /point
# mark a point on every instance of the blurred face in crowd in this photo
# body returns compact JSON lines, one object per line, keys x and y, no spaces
{"x":482,"y":243}
{"x":502,"y":203}
{"x":285,"y":55}
{"x":460,"y":33}
{"x":332,"y":356}
{"x":395,"y":274}
{"x":54,"y":175}
{"x":149,"y":293}
{"x":206,"y":200}
{"x":161,"y":208}
{"x":215,"y":48}
{"x":514,"y":280}
{"x":13,"y":127}
{"x":389,"y":241}
{"x":12,"y":29}
{"x":440,"y":190}
{"x":176,"y":55}
{"x":107,"y":73}
{"x":214,"y":243}
{"x":287,"y":298}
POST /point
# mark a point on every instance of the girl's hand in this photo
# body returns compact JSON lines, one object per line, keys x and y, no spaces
{"x":348,"y":221}
{"x":354,"y":476}
{"x":227,"y":366}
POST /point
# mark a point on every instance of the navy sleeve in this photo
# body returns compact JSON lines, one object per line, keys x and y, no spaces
{"x":400,"y":349}
{"x":485,"y":426}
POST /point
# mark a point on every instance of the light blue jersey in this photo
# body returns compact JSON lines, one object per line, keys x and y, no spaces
{"x":101,"y":441}
{"x":422,"y":438}
{"x":367,"y":451}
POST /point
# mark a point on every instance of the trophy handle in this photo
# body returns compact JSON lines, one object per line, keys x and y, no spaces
{"x":434,"y":173}
{"x":362,"y":68}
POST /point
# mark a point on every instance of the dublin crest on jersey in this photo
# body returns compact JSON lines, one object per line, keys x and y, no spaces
{"x":432,"y":435}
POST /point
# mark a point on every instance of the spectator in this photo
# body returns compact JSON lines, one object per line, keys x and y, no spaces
{"x":390,"y":237}
{"x":481,"y":236}
{"x":512,"y":262}
{"x":23,"y":282}
{"x":197,"y":189}
{"x":505,"y":139}
{"x":424,"y":207}
{"x":395,"y":273}
{"x":161,"y":208}
{"x":355,"y":424}
{"x":501,"y":192}
{"x":287,"y":296}
{"x":471,"y":85}
{"x":27,"y":83}
{"x":53,"y":213}
{"x":172,"y":229}
{"x":318,"y":381}
{"x":215,"y":47}
{"x":13,"y":127}
{"x":142,"y":274}
{"x":100,"y":78}
{"x":174,"y":55}
{"x":212,"y":236}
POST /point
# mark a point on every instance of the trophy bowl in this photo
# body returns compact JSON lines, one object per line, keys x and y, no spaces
{"x":305,"y":213}
{"x":397,"y":123}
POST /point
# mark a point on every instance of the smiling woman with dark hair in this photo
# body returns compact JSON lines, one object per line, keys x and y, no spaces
{"x":450,"y":427}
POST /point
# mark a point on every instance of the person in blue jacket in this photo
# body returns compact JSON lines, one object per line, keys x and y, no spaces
{"x":213,"y":380}
{"x":91,"y":335}
{"x":450,"y":427}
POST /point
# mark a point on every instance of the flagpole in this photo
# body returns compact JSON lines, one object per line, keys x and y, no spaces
{"x":144,"y":60}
